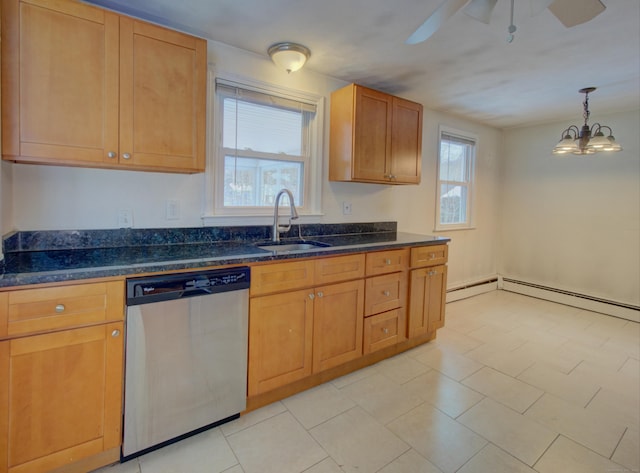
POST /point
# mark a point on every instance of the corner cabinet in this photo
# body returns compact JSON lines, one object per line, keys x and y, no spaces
{"x":61,"y":365}
{"x":375,"y":137}
{"x":82,"y":86}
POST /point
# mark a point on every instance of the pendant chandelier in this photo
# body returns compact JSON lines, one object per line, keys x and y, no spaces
{"x":586,"y":140}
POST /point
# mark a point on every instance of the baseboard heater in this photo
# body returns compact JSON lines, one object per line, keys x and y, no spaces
{"x":472,"y":289}
{"x":574,"y":299}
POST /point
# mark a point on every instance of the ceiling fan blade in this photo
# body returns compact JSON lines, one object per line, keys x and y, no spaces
{"x":480,"y":9}
{"x":538,"y":6}
{"x":435,"y":21}
{"x":575,"y":12}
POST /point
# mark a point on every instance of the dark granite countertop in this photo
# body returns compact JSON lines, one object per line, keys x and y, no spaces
{"x":45,"y":257}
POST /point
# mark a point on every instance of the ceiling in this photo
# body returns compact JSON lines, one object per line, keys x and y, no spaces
{"x":466,"y":68}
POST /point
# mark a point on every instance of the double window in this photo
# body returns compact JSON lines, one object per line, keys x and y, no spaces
{"x":266,"y":142}
{"x":456,"y":162}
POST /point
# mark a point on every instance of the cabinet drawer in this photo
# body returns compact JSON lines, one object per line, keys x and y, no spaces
{"x":53,"y":308}
{"x":339,"y":268}
{"x":280,"y":277}
{"x":429,"y":255}
{"x":382,"y":262}
{"x":385,"y":292}
{"x":384,"y":330}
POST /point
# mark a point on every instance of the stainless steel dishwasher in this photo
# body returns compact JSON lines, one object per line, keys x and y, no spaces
{"x":186,"y":355}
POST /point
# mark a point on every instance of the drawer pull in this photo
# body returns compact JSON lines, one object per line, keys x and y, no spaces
{"x":312,"y":296}
{"x":320,"y":294}
{"x":60,"y":308}
{"x":126,"y":156}
{"x":385,"y":330}
{"x":432,"y":256}
{"x":387,"y":261}
{"x":112,"y":154}
{"x":115,"y":333}
{"x":432,"y":273}
{"x":386,"y":293}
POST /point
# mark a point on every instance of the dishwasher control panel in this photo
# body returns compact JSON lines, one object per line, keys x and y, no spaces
{"x":146,"y":290}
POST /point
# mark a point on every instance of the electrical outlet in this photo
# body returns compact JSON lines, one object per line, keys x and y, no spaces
{"x":346,"y":208}
{"x":172,"y":210}
{"x":125,"y":218}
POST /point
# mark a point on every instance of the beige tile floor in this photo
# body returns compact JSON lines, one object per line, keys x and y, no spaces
{"x":511,"y":384}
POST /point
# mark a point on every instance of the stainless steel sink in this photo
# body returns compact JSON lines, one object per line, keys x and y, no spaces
{"x":286,"y":247}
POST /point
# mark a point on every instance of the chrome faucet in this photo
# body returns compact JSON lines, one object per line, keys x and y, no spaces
{"x":294,"y":215}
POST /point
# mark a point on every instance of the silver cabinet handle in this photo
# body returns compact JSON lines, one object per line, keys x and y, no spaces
{"x":115,"y":333}
{"x":386,"y":293}
{"x":432,"y":256}
{"x":112,"y":154}
{"x":385,"y":330}
{"x":320,"y":294}
{"x":387,"y":261}
{"x":432,"y":273}
{"x":312,"y":296}
{"x":126,"y":156}
{"x":60,"y":308}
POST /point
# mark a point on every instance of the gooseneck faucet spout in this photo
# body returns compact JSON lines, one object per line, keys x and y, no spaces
{"x":277,"y":228}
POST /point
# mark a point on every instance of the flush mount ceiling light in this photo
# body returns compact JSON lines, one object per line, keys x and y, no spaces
{"x":586,"y":140}
{"x":289,"y":56}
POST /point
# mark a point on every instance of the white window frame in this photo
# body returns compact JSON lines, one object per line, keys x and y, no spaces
{"x":214,"y":210}
{"x":469,"y":223}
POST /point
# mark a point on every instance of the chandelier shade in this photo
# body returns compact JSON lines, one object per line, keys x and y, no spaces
{"x":586,"y":140}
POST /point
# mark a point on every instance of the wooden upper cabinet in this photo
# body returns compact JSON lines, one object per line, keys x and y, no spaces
{"x":59,"y":82}
{"x":375,"y":137}
{"x":162,"y":98}
{"x":82,"y":86}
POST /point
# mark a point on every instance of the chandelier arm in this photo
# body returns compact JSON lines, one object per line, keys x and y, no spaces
{"x":572,"y":128}
{"x":600,"y":128}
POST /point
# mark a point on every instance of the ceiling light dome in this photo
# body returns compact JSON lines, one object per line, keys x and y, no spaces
{"x":289,"y":56}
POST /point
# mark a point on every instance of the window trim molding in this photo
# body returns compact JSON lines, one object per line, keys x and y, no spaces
{"x":471,"y":199}
{"x":213,"y":213}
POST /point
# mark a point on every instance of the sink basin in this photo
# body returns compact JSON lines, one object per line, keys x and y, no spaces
{"x":287,"y":246}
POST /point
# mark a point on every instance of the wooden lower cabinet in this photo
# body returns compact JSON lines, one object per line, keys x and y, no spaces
{"x":280,"y":339}
{"x":427,"y":297}
{"x":61,"y":398}
{"x":295,"y":334}
{"x":337,"y":324}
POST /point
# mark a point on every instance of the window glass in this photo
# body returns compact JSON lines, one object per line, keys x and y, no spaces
{"x":261,"y":128}
{"x":250,"y":182}
{"x":264,"y":146}
{"x":456,"y":161}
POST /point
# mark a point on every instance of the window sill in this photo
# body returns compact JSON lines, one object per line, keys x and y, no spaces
{"x":452,"y":229}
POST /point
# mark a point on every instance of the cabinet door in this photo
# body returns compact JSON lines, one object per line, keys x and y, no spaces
{"x":338,"y":324}
{"x":162,"y":98}
{"x":406,"y":141}
{"x":280,"y":338}
{"x":372,"y":135}
{"x":427,"y":300}
{"x":60,"y":82}
{"x":62,"y":398}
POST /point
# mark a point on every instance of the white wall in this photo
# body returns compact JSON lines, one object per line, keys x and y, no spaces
{"x":47,"y":197}
{"x":573,"y":222}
